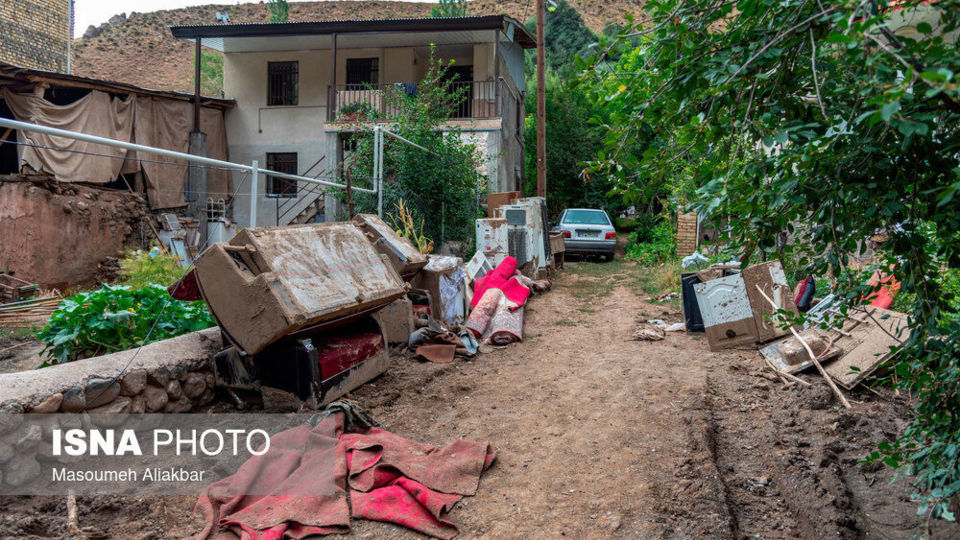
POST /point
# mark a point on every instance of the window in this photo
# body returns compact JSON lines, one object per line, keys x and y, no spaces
{"x":282,"y":83}
{"x":285,"y":162}
{"x":363,"y":71}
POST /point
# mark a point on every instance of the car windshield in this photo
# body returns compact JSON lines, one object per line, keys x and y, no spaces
{"x":586,"y":217}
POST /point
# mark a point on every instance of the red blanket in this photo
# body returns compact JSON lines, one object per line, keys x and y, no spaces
{"x":299,"y":487}
{"x":502,"y":277}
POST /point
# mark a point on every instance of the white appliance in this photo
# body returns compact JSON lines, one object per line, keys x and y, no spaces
{"x":527,"y":237}
{"x":492,"y":239}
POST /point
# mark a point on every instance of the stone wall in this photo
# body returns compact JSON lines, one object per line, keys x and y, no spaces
{"x":57,"y":235}
{"x":36,"y":33}
{"x":687,"y":240}
{"x":172,"y":376}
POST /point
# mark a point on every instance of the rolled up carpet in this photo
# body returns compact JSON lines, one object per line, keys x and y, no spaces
{"x":484,"y":311}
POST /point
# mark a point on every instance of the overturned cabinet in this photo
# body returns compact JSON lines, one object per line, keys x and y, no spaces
{"x":401,"y":253}
{"x":296,"y":303}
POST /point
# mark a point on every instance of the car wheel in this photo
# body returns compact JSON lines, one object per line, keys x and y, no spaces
{"x":608,"y":257}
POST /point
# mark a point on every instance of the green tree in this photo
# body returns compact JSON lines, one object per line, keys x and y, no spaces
{"x":211,"y":73}
{"x":565,"y":35}
{"x":826,"y":119}
{"x":571,"y":141}
{"x":449,"y":8}
{"x":442,"y":186}
{"x":279,"y":11}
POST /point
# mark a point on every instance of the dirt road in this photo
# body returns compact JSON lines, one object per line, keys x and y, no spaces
{"x":600,"y":436}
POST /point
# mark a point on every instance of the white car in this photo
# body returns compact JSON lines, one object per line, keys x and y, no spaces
{"x":587,"y":231}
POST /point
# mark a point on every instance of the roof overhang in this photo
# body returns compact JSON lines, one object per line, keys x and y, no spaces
{"x":256,"y":37}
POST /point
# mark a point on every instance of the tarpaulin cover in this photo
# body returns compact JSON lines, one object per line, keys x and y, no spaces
{"x":167,"y":123}
{"x":94,"y":114}
{"x":301,"y":484}
{"x":163,"y":123}
{"x":502,"y":277}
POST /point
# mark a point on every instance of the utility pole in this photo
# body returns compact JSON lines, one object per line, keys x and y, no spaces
{"x":541,"y":104}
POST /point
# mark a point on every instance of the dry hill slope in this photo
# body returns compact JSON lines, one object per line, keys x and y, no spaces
{"x":140,"y":50}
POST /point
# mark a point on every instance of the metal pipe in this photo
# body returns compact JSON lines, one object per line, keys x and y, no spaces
{"x":26,"y":126}
{"x":254,"y":192}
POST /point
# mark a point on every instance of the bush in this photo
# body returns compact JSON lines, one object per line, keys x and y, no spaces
{"x":117,"y":318}
{"x":642,"y":224}
{"x":139,"y":269}
{"x":661,"y":247}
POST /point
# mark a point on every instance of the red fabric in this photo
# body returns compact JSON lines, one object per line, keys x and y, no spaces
{"x":390,"y":479}
{"x":294,"y":490}
{"x":186,"y":288}
{"x":501,"y":277}
{"x":338,"y":353}
{"x":889,"y":287}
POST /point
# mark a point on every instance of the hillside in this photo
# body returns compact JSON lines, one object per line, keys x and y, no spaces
{"x":139,"y":49}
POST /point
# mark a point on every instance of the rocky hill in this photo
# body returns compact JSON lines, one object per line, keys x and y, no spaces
{"x":137,"y":48}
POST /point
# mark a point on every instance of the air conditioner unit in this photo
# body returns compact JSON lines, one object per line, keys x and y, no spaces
{"x":492,"y":239}
{"x":527,"y":238}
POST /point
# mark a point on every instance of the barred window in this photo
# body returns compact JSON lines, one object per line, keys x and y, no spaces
{"x":285,"y":162}
{"x":282,"y":83}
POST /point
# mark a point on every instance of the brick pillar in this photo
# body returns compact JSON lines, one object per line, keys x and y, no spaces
{"x":687,"y":240}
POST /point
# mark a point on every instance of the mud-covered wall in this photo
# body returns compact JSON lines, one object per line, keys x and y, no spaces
{"x":57,"y":238}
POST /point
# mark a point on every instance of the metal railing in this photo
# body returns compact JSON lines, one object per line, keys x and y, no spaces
{"x":371,"y":103}
{"x":254,"y":168}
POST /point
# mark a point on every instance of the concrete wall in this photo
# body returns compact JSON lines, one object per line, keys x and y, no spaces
{"x":57,"y":238}
{"x":253,"y":129}
{"x":36,"y":33}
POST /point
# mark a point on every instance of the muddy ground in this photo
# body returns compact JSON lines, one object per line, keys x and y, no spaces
{"x":600,"y":436}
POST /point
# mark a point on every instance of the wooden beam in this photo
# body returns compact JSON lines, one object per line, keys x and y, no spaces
{"x":6,"y":133}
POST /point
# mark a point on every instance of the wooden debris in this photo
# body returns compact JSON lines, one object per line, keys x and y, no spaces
{"x":813,"y":357}
{"x":28,"y":313}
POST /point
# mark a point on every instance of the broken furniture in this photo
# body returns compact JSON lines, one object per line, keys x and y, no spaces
{"x":856,"y":350}
{"x":558,"y":249}
{"x":13,"y":289}
{"x":733,"y":310}
{"x":397,"y":321}
{"x":296,"y":304}
{"x":403,"y":255}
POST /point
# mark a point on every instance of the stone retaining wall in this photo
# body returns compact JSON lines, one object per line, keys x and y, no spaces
{"x":173,"y":376}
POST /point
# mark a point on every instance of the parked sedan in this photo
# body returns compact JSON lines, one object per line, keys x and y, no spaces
{"x":587,"y":232}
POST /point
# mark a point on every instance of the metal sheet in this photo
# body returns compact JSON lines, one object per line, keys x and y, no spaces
{"x":727,"y":316}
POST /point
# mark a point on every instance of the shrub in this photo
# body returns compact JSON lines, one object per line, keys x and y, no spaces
{"x":113,"y":319}
{"x":661,"y":247}
{"x":139,"y":268}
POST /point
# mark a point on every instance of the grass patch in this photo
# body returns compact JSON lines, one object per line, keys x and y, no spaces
{"x":661,"y":279}
{"x":16,"y":333}
{"x":565,"y":322}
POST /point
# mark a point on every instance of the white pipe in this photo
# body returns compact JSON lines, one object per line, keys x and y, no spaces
{"x":25,"y":126}
{"x":378,"y":160}
{"x":254,"y":192}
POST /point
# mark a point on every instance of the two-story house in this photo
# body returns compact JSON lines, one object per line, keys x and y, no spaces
{"x":293,"y":82}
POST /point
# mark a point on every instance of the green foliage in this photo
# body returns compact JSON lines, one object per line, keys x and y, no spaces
{"x":571,"y":141}
{"x":117,"y":318}
{"x":813,"y":118}
{"x":139,"y":269}
{"x":565,"y":35}
{"x":211,"y":73}
{"x":661,"y":246}
{"x":642,"y":224}
{"x":449,"y":8}
{"x":441,"y":187}
{"x":279,"y":11}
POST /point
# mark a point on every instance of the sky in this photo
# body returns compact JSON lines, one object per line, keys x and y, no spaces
{"x":96,"y":12}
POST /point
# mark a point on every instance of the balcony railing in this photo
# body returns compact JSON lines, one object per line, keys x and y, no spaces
{"x":368,"y":103}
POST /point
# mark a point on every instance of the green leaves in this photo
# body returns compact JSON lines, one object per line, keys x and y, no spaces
{"x":116,"y":318}
{"x":831,"y":127}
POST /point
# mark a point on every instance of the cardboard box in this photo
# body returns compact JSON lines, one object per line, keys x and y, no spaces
{"x":503,"y":198}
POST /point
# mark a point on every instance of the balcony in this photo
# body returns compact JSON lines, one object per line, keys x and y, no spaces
{"x":354,"y":103}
